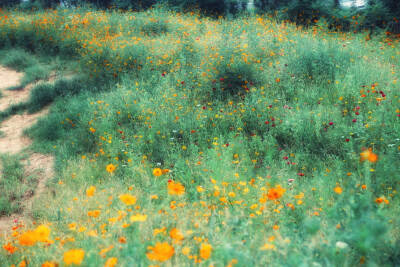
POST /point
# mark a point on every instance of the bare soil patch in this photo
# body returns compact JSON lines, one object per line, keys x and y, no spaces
{"x":14,"y":141}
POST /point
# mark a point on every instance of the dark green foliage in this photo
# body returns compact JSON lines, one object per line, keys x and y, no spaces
{"x":234,"y":80}
{"x":9,"y":3}
{"x":45,"y":93}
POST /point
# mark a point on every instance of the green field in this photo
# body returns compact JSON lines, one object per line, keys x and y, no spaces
{"x":184,"y":140}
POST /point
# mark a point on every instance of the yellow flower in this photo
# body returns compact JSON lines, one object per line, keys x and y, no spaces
{"x":128,"y":199}
{"x":205,"y":251}
{"x":160,"y":252}
{"x":138,"y":218}
{"x":74,"y":256}
{"x":110,"y":168}
{"x":157,"y":172}
{"x":268,"y":247}
{"x":111,"y":262}
{"x":175,"y":188}
{"x":42,"y":233}
{"x":90,"y":191}
{"x":185,"y":251}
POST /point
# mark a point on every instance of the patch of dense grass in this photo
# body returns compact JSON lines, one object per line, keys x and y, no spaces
{"x":266,"y":127}
{"x":13,"y":185}
{"x":23,"y":61}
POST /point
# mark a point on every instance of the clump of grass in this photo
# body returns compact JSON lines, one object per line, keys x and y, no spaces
{"x":12,"y":185}
{"x":45,"y":93}
{"x":18,"y":59}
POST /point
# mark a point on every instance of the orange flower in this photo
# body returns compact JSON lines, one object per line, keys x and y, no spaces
{"x":364,"y":186}
{"x":49,"y":264}
{"x":111,"y":262}
{"x":175,"y":188}
{"x":128,"y":199}
{"x":94,"y":213}
{"x":176,"y":234}
{"x":160,"y":252}
{"x":338,"y":190}
{"x":74,"y":256}
{"x":110,"y":168}
{"x":157,"y":172}
{"x":10,"y":248}
{"x":90,"y":191}
{"x":275,"y":193}
{"x":368,"y":155}
{"x":205,"y":251}
{"x":380,"y":200}
{"x":28,"y":238}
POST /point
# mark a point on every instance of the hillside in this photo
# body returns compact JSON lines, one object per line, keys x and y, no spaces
{"x":175,"y":139}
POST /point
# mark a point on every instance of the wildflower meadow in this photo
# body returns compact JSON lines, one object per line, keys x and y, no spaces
{"x":181,"y":139}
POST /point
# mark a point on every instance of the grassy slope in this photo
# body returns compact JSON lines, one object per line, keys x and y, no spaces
{"x":233,"y":108}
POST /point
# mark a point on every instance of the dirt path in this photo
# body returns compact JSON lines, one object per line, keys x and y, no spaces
{"x":13,"y":141}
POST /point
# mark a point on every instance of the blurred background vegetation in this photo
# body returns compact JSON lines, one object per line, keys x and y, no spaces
{"x":338,"y":14}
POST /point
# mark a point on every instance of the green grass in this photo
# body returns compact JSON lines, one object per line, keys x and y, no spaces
{"x":234,"y":108}
{"x":13,"y":185}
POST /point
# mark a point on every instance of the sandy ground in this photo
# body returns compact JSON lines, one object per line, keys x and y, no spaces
{"x":13,"y":141}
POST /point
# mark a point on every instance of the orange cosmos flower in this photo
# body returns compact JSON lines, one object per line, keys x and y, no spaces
{"x":176,"y":234}
{"x":74,"y":256}
{"x":338,"y":190}
{"x":94,"y":213}
{"x":10,"y":248}
{"x":175,"y":188}
{"x":157,"y":172}
{"x":380,"y":200}
{"x":110,"y":168}
{"x":368,"y":155}
{"x":160,"y":252}
{"x":128,"y":199}
{"x":275,"y":193}
{"x":90,"y":191}
{"x":205,"y":251}
{"x":28,"y":238}
{"x":49,"y":264}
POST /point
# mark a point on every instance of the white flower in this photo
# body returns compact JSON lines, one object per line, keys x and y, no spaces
{"x":341,"y":245}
